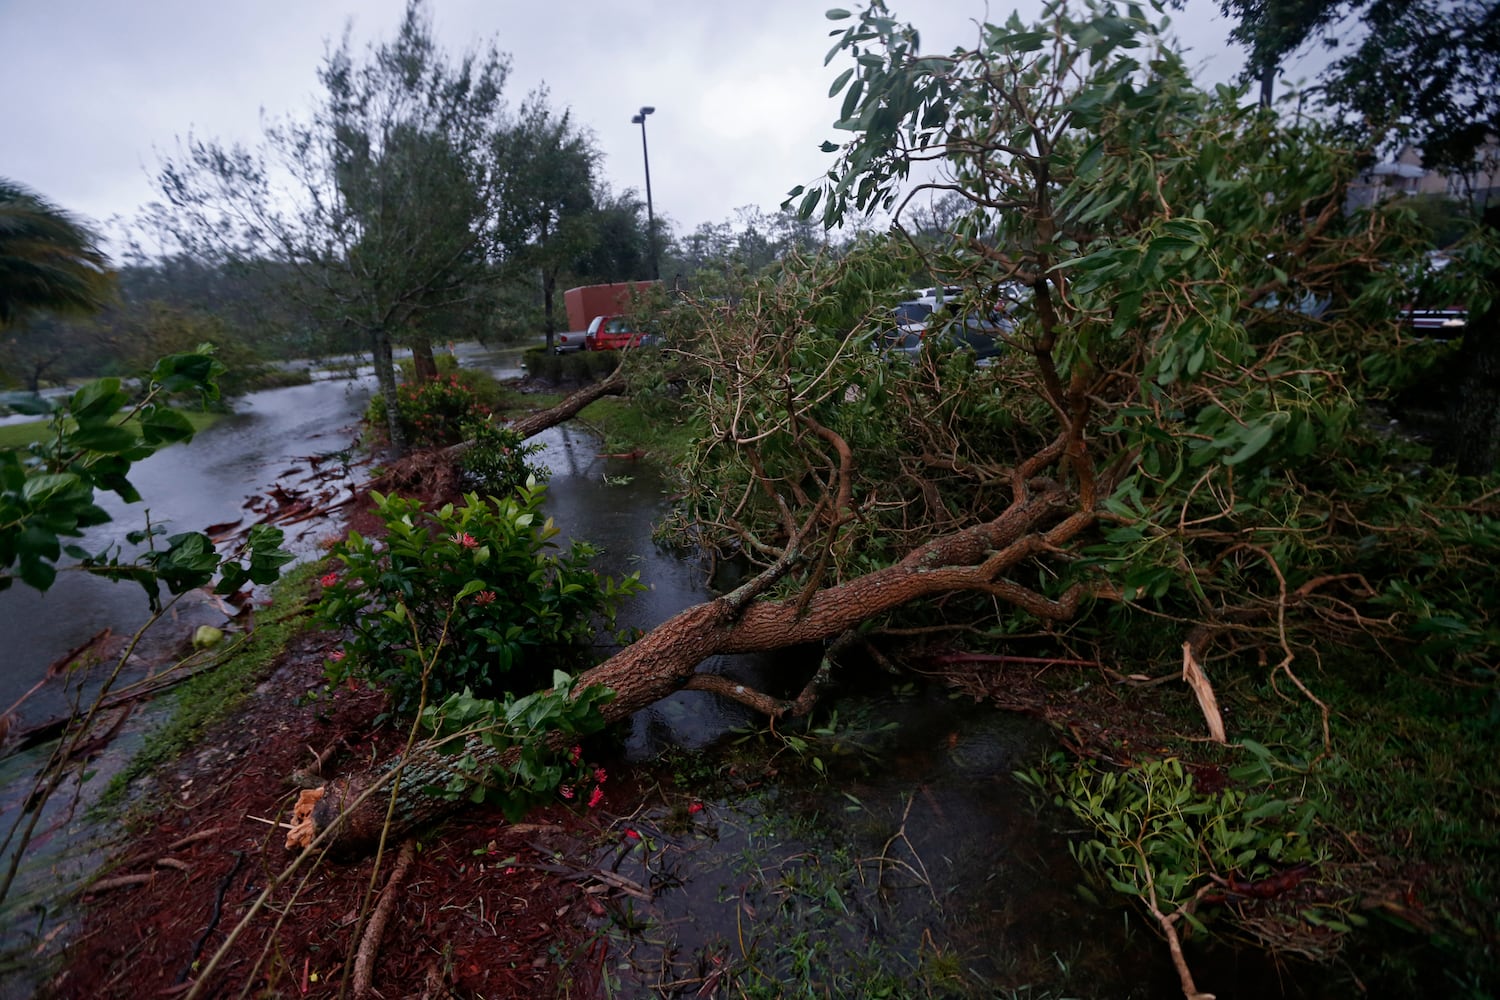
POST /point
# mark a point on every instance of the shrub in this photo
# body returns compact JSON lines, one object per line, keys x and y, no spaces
{"x":433,"y":412}
{"x":469,"y":595}
{"x":575,"y":366}
{"x":498,"y":463}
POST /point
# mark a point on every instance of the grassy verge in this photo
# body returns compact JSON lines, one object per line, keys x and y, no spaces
{"x":1378,"y":851}
{"x":20,"y":435}
{"x":625,"y":426}
{"x":213,"y":694}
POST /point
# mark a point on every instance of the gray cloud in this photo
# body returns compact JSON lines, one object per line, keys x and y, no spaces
{"x":95,"y":87}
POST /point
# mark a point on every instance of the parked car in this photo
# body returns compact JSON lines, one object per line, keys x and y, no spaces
{"x":573,"y":340}
{"x":919,"y":322}
{"x":613,"y":333}
{"x":1437,"y":323}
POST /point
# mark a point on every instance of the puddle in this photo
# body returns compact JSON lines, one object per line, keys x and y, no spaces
{"x":913,"y":866}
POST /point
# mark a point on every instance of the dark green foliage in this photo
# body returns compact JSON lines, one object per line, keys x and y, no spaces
{"x":464,"y":598}
{"x":574,"y":366}
{"x":534,"y":729}
{"x":48,"y":260}
{"x":47,"y":494}
{"x":497,"y":460}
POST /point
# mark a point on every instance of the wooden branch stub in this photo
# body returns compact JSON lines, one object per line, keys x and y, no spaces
{"x":1193,"y":673}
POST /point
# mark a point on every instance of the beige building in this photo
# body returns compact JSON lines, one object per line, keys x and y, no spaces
{"x":1405,"y":176}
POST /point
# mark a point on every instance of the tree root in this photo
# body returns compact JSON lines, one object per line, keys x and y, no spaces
{"x":369,"y":944}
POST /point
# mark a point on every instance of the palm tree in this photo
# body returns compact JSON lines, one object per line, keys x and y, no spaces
{"x":48,"y":260}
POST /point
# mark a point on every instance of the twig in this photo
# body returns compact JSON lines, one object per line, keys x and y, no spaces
{"x":119,"y":882}
{"x":213,"y":918}
{"x":194,"y":837}
{"x":369,"y":945}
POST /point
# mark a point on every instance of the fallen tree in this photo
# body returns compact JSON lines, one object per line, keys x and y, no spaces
{"x":666,"y":660}
{"x":1177,"y":422}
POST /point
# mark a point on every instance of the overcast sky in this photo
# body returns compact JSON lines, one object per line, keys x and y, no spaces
{"x":94,"y":88}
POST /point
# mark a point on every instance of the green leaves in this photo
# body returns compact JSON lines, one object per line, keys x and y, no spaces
{"x":48,"y":493}
{"x":470,"y":728}
{"x":1151,"y":834}
{"x":469,"y":597}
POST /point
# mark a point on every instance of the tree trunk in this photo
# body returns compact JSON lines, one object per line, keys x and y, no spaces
{"x":424,"y":366}
{"x":385,"y":374}
{"x":549,"y":314}
{"x":1268,"y":84}
{"x":666,"y":660}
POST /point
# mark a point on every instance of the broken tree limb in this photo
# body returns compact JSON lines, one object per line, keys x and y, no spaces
{"x":369,"y":944}
{"x":742,"y":621}
{"x":1196,"y":679}
{"x":534,"y":423}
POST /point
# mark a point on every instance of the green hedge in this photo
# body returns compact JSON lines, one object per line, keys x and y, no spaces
{"x":575,"y":366}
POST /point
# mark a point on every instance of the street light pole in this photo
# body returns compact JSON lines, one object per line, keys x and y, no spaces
{"x":640,"y":120}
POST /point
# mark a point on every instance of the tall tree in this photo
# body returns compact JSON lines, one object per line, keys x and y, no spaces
{"x":618,"y":252}
{"x":546,"y":180}
{"x":383,"y":203}
{"x":48,"y":259}
{"x":1272,"y":30}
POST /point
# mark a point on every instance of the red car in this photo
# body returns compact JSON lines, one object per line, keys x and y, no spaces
{"x":612,"y":333}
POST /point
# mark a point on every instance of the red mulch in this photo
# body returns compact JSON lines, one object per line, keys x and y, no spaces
{"x":487,"y":909}
{"x":474,"y":918}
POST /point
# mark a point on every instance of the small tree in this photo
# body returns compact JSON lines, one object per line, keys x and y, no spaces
{"x":384,"y":203}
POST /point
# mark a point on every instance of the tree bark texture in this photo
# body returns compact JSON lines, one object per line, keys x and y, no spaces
{"x":385,"y":375}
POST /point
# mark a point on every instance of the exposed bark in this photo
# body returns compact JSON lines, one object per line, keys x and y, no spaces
{"x":385,"y":375}
{"x":534,"y":423}
{"x":424,"y":365}
{"x":977,"y":558}
{"x":369,"y":945}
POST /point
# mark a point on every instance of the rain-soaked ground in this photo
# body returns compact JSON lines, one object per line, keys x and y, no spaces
{"x":890,"y":853}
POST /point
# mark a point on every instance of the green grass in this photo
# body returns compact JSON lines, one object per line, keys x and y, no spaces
{"x":215,"y":693}
{"x":626,"y":427}
{"x":14,"y":436}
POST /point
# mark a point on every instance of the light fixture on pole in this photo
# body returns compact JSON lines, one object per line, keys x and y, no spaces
{"x":640,"y":120}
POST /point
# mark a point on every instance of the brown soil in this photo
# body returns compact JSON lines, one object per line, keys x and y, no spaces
{"x":476,"y":915}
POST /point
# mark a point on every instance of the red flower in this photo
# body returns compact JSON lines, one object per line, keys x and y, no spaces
{"x":329,"y":579}
{"x":576,"y":755}
{"x":336,"y":655}
{"x":632,"y":835}
{"x":696,"y":807}
{"x":597,"y":797}
{"x":599,"y":775}
{"x":465,"y":539}
{"x":566,"y":790}
{"x":484,"y":597}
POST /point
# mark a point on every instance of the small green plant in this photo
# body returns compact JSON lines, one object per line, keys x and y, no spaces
{"x":1153,"y":837}
{"x":498,"y":460}
{"x":475,"y":581}
{"x":511,"y":749}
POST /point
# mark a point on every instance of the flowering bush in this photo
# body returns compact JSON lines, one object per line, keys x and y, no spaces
{"x":472,"y":589}
{"x":433,"y":412}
